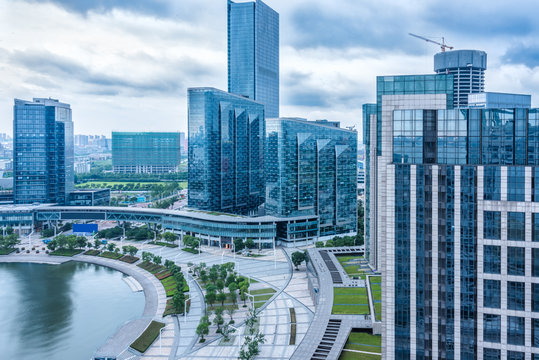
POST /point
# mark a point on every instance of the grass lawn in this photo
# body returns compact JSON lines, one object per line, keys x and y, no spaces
{"x":7,"y":251}
{"x":92,"y":252}
{"x":110,"y":255}
{"x":364,"y":342}
{"x":349,"y":355}
{"x":161,"y":243}
{"x":350,"y":301}
{"x":375,"y":282}
{"x":129,"y":259}
{"x":189,"y":250}
{"x":261,"y":296}
{"x":147,"y":337}
{"x":353,"y":266}
{"x":262,"y":291}
{"x":66,"y":252}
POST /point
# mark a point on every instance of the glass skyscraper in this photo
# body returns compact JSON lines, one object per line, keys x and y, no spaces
{"x":42,"y":151}
{"x":226,"y":152}
{"x":253,"y":53}
{"x":453,"y":210}
{"x":146,"y":152}
{"x":311,"y":169}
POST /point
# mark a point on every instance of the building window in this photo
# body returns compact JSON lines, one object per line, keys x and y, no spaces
{"x":491,"y":290}
{"x":515,"y":355}
{"x":492,"y":259}
{"x":491,"y":327}
{"x":535,"y":297}
{"x":516,"y":261}
{"x":491,"y":183}
{"x":515,"y":295}
{"x":516,"y":180}
{"x":535,"y":332}
{"x":491,"y":354}
{"x":408,"y":136}
{"x":535,"y":262}
{"x":515,"y":330}
{"x":535,"y":227}
{"x":515,"y":226}
{"x":492,"y":225}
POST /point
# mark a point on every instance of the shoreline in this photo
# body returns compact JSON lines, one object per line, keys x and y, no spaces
{"x":154,"y":297}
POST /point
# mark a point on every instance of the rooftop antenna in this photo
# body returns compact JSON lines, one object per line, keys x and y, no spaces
{"x":442,"y":44}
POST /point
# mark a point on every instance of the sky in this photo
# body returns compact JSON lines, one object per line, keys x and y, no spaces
{"x":125,"y":65}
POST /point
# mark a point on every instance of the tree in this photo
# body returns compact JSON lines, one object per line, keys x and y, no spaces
{"x":132,"y":250}
{"x":243,"y":295}
{"x":220,"y":284}
{"x":169,"y":264}
{"x":233,"y":287}
{"x":213,"y":275}
{"x":52,"y":245}
{"x":251,"y":347}
{"x":9,"y":230}
{"x":319,"y":244}
{"x":211,"y":297}
{"x":71,"y":242}
{"x":97,"y":243}
{"x":221,"y":296}
{"x":297,"y":258}
{"x":250,"y":244}
{"x":47,"y":233}
{"x":230,"y":311}
{"x":178,"y":301}
{"x":238,"y":245}
{"x":218,"y":319}
{"x":61,"y":241}
{"x":329,"y":243}
{"x":226,"y":331}
{"x":157,"y":260}
{"x":203,"y":328}
{"x":81,"y":242}
{"x":9,"y":241}
{"x":147,"y":256}
{"x":111,"y":247}
{"x":170,"y":237}
{"x":125,"y":249}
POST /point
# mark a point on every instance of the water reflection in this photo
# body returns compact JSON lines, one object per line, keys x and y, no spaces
{"x":61,"y":311}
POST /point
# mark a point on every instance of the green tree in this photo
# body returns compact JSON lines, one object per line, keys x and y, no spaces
{"x":203,"y":328}
{"x":319,"y":244}
{"x":233,"y":287}
{"x":170,"y":237}
{"x":251,"y":347}
{"x":52,"y":245}
{"x":178,"y":301}
{"x":45,"y":233}
{"x":9,"y":241}
{"x":210,"y":298}
{"x":238,"y":245}
{"x":250,"y":244}
{"x":147,"y":256}
{"x":132,"y":250}
{"x":226,"y":331}
{"x":297,"y":258}
{"x":221,"y":297}
{"x":111,"y":247}
{"x":157,"y":260}
{"x":61,"y":241}
{"x":125,"y":249}
{"x":97,"y":243}
{"x":81,"y":242}
{"x":230,"y":311}
{"x":218,"y":319}
{"x":330,"y":243}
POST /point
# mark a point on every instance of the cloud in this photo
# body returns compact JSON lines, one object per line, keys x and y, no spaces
{"x":151,"y":7}
{"x":522,"y":54}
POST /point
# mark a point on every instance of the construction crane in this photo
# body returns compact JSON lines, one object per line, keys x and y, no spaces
{"x":442,"y":44}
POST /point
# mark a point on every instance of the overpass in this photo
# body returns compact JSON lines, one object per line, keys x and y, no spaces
{"x":214,"y":228}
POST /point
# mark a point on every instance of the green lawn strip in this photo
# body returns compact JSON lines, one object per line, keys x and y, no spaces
{"x":92,"y":252}
{"x":227,"y":306}
{"x":350,"y":310}
{"x":189,"y":250}
{"x":129,"y":259}
{"x":264,"y":298}
{"x":350,"y":355}
{"x":350,"y":291}
{"x":149,"y":335}
{"x":110,"y":255}
{"x":66,"y":252}
{"x":378,"y":310}
{"x":262,"y":291}
{"x":7,"y":251}
{"x":364,"y":342}
{"x":160,"y":243}
{"x":350,"y":299}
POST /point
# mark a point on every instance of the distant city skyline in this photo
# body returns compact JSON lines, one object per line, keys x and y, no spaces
{"x":127,"y":66}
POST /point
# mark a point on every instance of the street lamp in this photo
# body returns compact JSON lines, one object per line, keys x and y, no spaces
{"x":160,"y":335}
{"x":222,"y":254}
{"x":251,"y":296}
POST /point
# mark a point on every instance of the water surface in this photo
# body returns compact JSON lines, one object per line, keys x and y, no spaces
{"x":61,"y":311}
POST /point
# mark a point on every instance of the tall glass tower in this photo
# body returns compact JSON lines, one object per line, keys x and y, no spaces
{"x":42,"y":151}
{"x":253,"y":53}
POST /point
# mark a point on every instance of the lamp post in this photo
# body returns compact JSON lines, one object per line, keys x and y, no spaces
{"x":199,"y":245}
{"x":222,"y":254}
{"x":251,"y":296}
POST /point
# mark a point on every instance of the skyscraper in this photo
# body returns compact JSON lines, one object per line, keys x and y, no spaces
{"x":468,"y":70}
{"x":43,"y":151}
{"x":453,"y":204}
{"x":226,"y":152}
{"x":146,"y":152}
{"x":311,"y":169}
{"x":253,"y":53}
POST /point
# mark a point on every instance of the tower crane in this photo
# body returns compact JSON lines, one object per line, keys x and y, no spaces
{"x":442,"y":44}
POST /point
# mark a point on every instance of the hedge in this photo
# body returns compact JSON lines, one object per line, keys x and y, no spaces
{"x":146,"y":339}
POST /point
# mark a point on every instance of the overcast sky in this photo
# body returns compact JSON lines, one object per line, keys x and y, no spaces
{"x":127,"y":64}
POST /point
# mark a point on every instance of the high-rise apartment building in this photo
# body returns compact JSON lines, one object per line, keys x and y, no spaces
{"x":453,"y":220}
{"x":43,"y":151}
{"x":311,"y":169}
{"x":145,"y":152}
{"x":253,"y":53}
{"x":468,"y":70}
{"x":226,"y":152}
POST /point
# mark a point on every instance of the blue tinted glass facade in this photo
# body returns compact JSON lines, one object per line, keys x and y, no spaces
{"x":43,"y":151}
{"x":491,"y":354}
{"x":492,"y":225}
{"x":145,"y":152}
{"x":408,"y":137}
{"x":226,"y":152}
{"x":492,"y":327}
{"x":368,"y":110}
{"x":516,"y":183}
{"x":516,"y":262}
{"x":535,"y":262}
{"x":311,"y":170}
{"x":253,"y":53}
{"x":516,"y":355}
{"x":452,"y":136}
{"x":516,"y":225}
{"x":515,"y":330}
{"x":492,"y":294}
{"x":492,"y":182}
{"x":515,"y":295}
{"x":535,"y":297}
{"x":492,"y":259}
{"x":535,"y":332}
